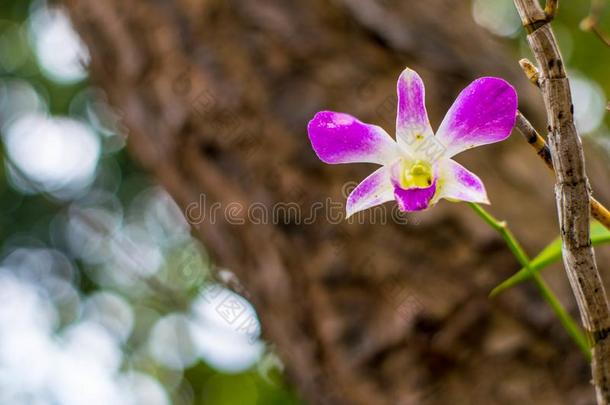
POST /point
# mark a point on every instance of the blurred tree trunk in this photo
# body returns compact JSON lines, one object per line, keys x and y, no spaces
{"x":216,"y":95}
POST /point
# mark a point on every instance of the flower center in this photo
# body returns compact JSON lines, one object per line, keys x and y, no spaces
{"x":418,"y":174}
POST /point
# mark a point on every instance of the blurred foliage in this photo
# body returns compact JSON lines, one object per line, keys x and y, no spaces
{"x":586,"y":56}
{"x":108,"y":257}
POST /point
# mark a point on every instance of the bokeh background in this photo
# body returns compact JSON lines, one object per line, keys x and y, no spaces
{"x":105,"y":297}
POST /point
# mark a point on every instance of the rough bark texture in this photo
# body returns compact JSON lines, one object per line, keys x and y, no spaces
{"x":571,"y":190}
{"x":216,"y":95}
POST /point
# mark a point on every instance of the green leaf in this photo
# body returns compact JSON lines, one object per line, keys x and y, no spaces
{"x":549,"y":255}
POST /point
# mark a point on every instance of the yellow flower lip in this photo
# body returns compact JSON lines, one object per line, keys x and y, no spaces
{"x":417,"y":174}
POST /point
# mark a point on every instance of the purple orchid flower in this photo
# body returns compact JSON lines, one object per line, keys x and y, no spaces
{"x":417,"y":170}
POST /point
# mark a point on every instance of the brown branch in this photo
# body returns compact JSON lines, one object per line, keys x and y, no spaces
{"x":598,"y":210}
{"x":571,"y":191}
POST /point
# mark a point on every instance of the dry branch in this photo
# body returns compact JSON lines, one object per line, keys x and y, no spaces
{"x":571,"y":189}
{"x":598,"y":210}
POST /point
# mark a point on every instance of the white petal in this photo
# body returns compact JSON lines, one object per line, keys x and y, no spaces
{"x":412,"y":124}
{"x":459,"y":184}
{"x":374,"y":190}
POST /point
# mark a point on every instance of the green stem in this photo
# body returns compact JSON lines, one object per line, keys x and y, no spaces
{"x":566,"y":320}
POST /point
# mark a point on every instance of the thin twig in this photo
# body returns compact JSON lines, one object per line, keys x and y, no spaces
{"x":571,"y":190}
{"x":601,"y":34}
{"x":591,"y":22}
{"x":598,"y":210}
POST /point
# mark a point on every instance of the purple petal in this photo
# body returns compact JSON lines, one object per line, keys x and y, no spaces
{"x":341,"y":138}
{"x":374,"y":190}
{"x":412,"y":124}
{"x":414,"y":199}
{"x":484,"y":112}
{"x":459,"y":184}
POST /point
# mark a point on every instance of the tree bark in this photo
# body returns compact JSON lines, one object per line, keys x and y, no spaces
{"x":216,"y":96}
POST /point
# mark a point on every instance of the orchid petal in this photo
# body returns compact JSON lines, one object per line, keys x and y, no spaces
{"x":459,"y":184}
{"x":341,"y":138}
{"x":412,"y":124}
{"x":414,"y":199}
{"x":484,"y":112}
{"x":374,"y":190}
